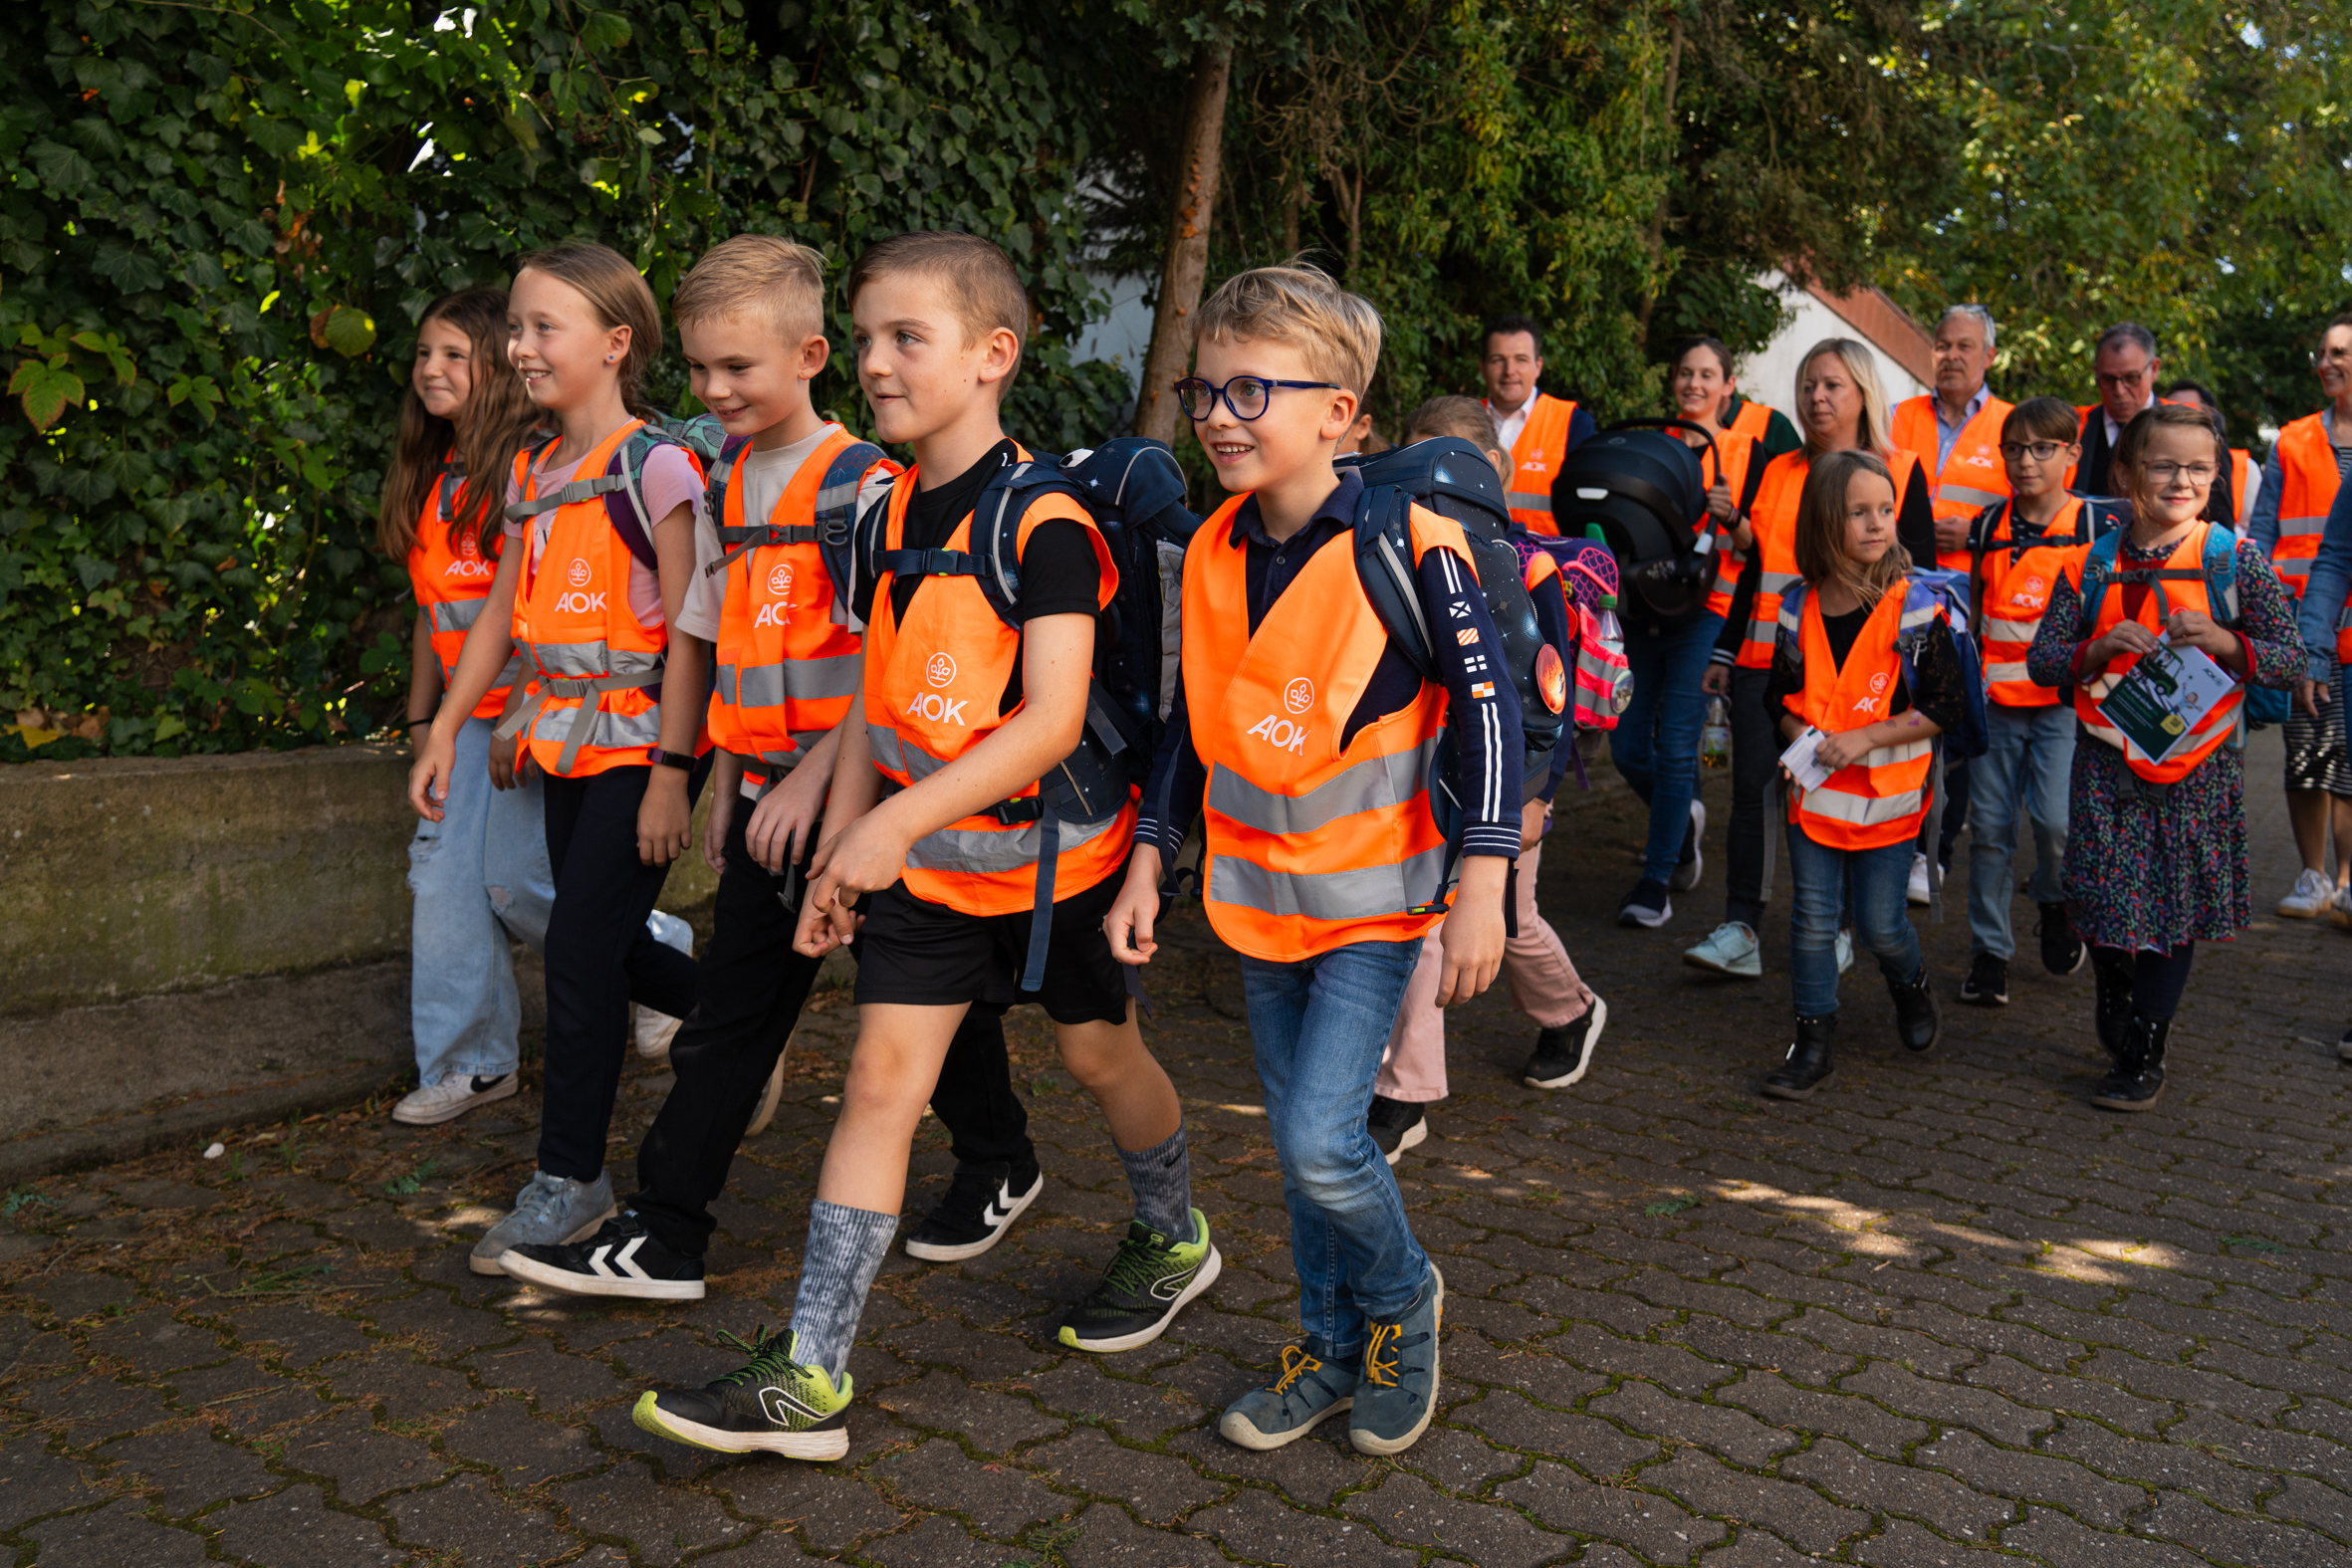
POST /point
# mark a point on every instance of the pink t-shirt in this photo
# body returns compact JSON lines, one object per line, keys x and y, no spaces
{"x":668,"y":479}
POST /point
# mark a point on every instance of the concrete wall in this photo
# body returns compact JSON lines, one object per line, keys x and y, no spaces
{"x":123,"y":877}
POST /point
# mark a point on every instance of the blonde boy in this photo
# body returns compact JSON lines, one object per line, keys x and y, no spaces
{"x":1307,"y":737}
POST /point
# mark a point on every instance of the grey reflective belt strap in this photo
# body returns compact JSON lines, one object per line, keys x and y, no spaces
{"x":584,"y":719}
{"x":773,"y":764}
{"x":770,"y":685}
{"x":457,"y":614}
{"x":1040,"y":920}
{"x":1527,"y":501}
{"x":514,"y":695}
{"x":1361,"y":893}
{"x":742,"y":541}
{"x":564,"y":496}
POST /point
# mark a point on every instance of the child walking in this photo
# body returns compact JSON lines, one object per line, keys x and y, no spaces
{"x":1837,"y":670}
{"x":1306,"y":733}
{"x":751,"y":317}
{"x":937,"y":830}
{"x":610,"y":719}
{"x":480,"y":872}
{"x":2156,"y":855}
{"x":1569,"y":1017}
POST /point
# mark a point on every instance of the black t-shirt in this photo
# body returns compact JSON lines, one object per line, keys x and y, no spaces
{"x":1060,"y":574}
{"x":1943,"y":691}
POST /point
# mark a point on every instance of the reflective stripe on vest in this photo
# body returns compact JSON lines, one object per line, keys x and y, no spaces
{"x":2344,"y":633}
{"x":1310,"y":846}
{"x":786,"y":668}
{"x":934,"y":689}
{"x":587,"y":707}
{"x":1536,"y":459}
{"x":2307,"y":485}
{"x":1973,"y":477}
{"x":1881,"y":798}
{"x":451,"y":586}
{"x":1736,"y":450}
{"x":2015,"y":596}
{"x":2182,"y":587}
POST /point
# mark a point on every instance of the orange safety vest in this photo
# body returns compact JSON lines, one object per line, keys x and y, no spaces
{"x":1737,"y":449}
{"x":586,"y":707}
{"x":1775,"y":520}
{"x":788,"y":665}
{"x":1882,"y":798}
{"x":1973,"y":477}
{"x":1310,"y":846}
{"x":2307,"y":484}
{"x":2178,"y":585}
{"x":2015,"y":591}
{"x":1755,"y":419}
{"x":1536,"y":459}
{"x":2241,"y":490}
{"x":452,"y":584}
{"x":935,"y":689}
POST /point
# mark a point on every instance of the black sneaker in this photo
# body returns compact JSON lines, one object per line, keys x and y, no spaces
{"x":1647,"y":905}
{"x":1143,"y":1289}
{"x":771,"y":1404}
{"x":979,"y":1206}
{"x":1397,"y":1125}
{"x":1988,"y":985}
{"x":1561,"y":1055}
{"x":2062,"y":951}
{"x":622,"y":1259}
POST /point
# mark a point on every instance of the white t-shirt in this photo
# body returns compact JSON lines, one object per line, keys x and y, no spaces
{"x":1507,"y":426}
{"x":667,"y":480}
{"x":764,"y":480}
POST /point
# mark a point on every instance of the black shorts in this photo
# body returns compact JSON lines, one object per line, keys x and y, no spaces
{"x":919,"y":953}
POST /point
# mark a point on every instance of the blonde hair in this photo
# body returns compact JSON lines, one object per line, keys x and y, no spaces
{"x":763,"y":277}
{"x":1464,"y":418}
{"x":619,"y":296}
{"x":1875,"y":432}
{"x":1302,"y":307}
{"x":983,"y":289}
{"x":1822,"y":529}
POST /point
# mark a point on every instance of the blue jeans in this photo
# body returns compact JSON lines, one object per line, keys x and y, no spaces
{"x":478,"y":874}
{"x":2028,"y":762}
{"x":1320,"y":1026}
{"x":1656,"y":742}
{"x":1820,"y":880}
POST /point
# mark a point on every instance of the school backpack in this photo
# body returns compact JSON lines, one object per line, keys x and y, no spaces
{"x":2264,"y":705}
{"x":621,"y":484}
{"x":1134,"y":491}
{"x":1454,"y":479}
{"x":1603,"y":685}
{"x":1637,"y":488}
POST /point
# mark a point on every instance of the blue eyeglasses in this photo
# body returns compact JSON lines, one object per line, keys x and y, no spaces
{"x":1245,"y":396}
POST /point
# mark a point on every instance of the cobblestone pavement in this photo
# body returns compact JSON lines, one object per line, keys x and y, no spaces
{"x":1943,"y":1312}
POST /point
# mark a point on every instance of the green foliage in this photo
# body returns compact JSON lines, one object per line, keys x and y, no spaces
{"x":221,"y":225}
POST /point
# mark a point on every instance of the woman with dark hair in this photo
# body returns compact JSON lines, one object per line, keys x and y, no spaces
{"x":2156,"y":852}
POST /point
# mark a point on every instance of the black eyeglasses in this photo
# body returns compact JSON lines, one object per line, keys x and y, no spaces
{"x":1245,"y":396}
{"x":2040,"y":451}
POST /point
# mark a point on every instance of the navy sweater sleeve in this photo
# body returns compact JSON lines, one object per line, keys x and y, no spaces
{"x":1178,"y":781}
{"x":1484,"y":713}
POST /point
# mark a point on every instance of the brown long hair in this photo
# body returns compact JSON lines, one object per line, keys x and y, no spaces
{"x":496,"y":418}
{"x":619,"y":296}
{"x":1822,"y":529}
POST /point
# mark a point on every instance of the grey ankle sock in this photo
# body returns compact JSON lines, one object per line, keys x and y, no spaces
{"x":837,"y":1268}
{"x":1161,"y":1176}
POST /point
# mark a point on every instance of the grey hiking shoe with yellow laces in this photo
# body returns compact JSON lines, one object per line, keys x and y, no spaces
{"x":1397,"y":1391}
{"x":1289,"y":1406}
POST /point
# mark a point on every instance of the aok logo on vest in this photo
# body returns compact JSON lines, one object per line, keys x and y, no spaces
{"x":940,"y":670}
{"x":469,"y":566}
{"x":780,"y":581}
{"x":577,"y":572}
{"x":1298,"y":695}
{"x":579,"y":603}
{"x":938,"y":709}
{"x":1280,"y":734}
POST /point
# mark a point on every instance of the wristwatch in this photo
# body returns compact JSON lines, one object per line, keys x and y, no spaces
{"x":682,"y":761}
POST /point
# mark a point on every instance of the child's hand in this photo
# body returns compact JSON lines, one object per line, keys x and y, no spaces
{"x":1134,"y":911}
{"x":714,"y":832}
{"x":429,"y":777}
{"x":1841,"y":750}
{"x":783,"y":823}
{"x":1534,"y":819}
{"x":865,"y":858}
{"x":503,"y":762}
{"x":1473,"y":933}
{"x":2127,"y":638}
{"x":666,"y":818}
{"x":1717,"y":682}
{"x":2196,"y":629}
{"x":1952,"y":533}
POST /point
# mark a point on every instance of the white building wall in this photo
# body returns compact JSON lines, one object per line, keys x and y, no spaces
{"x":1769,"y":375}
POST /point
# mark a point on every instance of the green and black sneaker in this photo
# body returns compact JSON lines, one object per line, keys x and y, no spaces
{"x":1143,"y":1289}
{"x":770,"y":1405}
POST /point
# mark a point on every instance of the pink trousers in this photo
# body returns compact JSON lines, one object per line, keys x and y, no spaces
{"x":1543,"y":986}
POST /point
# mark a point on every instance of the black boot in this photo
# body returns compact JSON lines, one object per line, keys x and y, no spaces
{"x":1807,"y":1066}
{"x":1916,"y":1019}
{"x":2111,"y":970}
{"x":2137,"y":1081}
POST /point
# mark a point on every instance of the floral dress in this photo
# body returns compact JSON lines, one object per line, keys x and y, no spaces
{"x":2154,"y":868}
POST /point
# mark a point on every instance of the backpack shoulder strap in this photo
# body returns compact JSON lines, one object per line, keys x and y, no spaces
{"x":1384,"y":567}
{"x":866,"y":538}
{"x":994,"y":556}
{"x":836,"y":508}
{"x":2220,"y":571}
{"x":2097,"y":568}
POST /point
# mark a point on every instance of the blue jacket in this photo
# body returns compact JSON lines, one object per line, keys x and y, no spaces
{"x":2325,"y":588}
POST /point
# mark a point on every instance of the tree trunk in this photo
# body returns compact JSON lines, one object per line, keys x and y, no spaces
{"x":1657,"y":233}
{"x":1186,"y":266}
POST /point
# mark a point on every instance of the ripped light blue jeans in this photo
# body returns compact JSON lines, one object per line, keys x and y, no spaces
{"x":480,"y":874}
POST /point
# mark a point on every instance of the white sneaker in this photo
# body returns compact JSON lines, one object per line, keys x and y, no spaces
{"x":655,"y":1031}
{"x":2339,"y":908}
{"x":1919,"y":892}
{"x":549,"y":1209}
{"x":1729,"y":949}
{"x":2311,"y":897}
{"x":452,"y":1097}
{"x":1686,"y":875}
{"x":1845,"y":951}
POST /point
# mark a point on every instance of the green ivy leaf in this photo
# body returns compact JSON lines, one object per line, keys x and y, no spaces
{"x":44,"y":390}
{"x":349,"y":332}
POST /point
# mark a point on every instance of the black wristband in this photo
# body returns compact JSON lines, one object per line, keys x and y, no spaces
{"x":414,"y":723}
{"x":682,"y":761}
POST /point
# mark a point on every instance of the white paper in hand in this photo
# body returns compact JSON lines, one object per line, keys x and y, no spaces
{"x":1803,"y":762}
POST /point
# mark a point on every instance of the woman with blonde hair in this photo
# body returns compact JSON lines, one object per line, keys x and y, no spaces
{"x":1841,"y":409}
